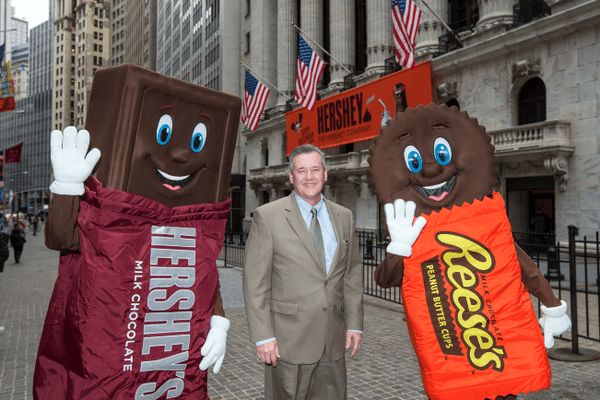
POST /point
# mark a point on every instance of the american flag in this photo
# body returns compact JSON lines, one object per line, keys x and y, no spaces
{"x":310,"y":67}
{"x":255,"y":98}
{"x":405,"y":18}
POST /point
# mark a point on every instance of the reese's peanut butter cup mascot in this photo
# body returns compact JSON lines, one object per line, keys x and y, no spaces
{"x":136,"y":311}
{"x":465,"y":283}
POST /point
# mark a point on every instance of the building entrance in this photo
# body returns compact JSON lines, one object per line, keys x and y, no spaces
{"x":530,"y":204}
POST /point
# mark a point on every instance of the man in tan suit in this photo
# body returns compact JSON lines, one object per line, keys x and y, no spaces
{"x":303,"y":286}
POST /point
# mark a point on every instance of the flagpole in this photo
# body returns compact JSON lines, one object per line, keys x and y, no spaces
{"x":318,"y":45}
{"x":442,"y":22}
{"x":266,"y":81}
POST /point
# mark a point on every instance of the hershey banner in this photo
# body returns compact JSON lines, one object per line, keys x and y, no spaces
{"x":130,"y":313}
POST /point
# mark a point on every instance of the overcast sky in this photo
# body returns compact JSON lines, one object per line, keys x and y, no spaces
{"x":33,"y":11}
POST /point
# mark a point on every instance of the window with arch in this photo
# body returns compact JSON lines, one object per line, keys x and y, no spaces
{"x":532,"y":102}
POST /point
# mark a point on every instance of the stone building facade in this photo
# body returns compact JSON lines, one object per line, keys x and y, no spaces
{"x":81,"y":39}
{"x":528,"y":70}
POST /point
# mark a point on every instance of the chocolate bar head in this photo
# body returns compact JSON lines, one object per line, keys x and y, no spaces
{"x":162,"y":138}
{"x":435,"y":156}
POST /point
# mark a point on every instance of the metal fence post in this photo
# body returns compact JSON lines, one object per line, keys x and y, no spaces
{"x":573,"y":231}
{"x":225,"y":251}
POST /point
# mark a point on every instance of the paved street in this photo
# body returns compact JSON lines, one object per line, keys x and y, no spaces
{"x":385,"y":368}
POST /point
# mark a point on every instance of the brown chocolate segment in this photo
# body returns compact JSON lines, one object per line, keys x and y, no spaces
{"x":125,"y":108}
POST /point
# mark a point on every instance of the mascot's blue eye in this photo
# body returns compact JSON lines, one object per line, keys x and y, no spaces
{"x":413,"y":159}
{"x":442,"y":151}
{"x":198,"y":137}
{"x":164,"y":128}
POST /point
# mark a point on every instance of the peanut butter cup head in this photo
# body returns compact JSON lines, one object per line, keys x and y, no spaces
{"x":435,"y":156}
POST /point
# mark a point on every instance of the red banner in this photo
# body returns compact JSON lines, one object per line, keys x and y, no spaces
{"x":356,"y":114}
{"x":7,"y":91}
{"x":13,"y":154}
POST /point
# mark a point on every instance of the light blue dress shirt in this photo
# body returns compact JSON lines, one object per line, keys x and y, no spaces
{"x":330,"y":242}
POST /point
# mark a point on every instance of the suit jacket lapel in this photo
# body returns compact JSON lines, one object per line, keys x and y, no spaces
{"x":295,"y":219}
{"x":339,"y":232}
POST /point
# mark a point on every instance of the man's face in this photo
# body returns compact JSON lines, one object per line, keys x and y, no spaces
{"x":308,"y":177}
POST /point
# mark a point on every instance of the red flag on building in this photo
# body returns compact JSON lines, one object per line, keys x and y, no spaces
{"x":13,"y":154}
{"x":406,"y":17}
{"x":255,"y":98}
{"x":310,"y":67}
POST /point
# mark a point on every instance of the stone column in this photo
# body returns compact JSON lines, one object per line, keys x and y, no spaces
{"x":380,"y":41}
{"x":264,"y":36}
{"x":430,"y":28}
{"x":311,"y":22}
{"x":342,"y":38}
{"x":495,"y":12}
{"x":366,"y":203}
{"x":287,"y":47}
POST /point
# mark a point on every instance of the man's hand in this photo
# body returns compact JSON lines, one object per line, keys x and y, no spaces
{"x":403,"y":233}
{"x":355,"y":337}
{"x":555,"y":322}
{"x":70,"y":164}
{"x":268,"y":352}
{"x":216,"y":343}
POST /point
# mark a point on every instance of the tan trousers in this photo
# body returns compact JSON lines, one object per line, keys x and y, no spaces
{"x":323,"y":380}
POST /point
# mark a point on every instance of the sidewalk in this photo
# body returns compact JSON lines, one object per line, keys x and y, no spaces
{"x":385,"y":368}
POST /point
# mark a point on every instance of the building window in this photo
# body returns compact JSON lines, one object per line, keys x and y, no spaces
{"x":532,"y":102}
{"x":463,"y":14}
{"x":96,"y":23}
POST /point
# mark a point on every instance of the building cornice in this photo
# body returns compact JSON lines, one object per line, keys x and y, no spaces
{"x":526,"y":36}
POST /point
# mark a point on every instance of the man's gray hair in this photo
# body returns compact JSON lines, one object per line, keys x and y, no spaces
{"x":306,"y":149}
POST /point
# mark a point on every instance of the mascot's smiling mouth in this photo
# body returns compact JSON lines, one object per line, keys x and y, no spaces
{"x":436,"y":192}
{"x":172,"y":182}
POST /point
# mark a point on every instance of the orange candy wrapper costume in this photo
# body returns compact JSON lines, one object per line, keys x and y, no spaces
{"x":470,"y":317}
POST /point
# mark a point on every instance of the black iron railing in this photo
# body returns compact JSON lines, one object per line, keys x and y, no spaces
{"x":528,"y":11}
{"x":447,"y":43}
{"x":572,"y":267}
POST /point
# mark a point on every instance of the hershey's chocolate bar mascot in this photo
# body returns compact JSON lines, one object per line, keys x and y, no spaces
{"x":136,"y":311}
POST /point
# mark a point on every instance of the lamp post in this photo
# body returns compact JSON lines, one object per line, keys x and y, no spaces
{"x":7,"y":180}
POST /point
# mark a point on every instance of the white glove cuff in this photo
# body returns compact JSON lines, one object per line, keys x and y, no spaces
{"x":399,"y":249}
{"x":219,"y":322}
{"x":67,"y":188}
{"x":555,"y":312}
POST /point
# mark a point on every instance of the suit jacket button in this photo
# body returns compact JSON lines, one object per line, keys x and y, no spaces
{"x":325,"y":283}
{"x":324,"y":308}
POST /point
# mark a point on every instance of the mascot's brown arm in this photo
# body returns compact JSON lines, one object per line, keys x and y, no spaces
{"x":62,"y":233}
{"x":534,"y":281}
{"x":390,"y":272}
{"x":61,"y":229}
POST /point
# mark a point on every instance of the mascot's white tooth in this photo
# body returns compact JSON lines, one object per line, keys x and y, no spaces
{"x":172,"y":177}
{"x":433,"y":187}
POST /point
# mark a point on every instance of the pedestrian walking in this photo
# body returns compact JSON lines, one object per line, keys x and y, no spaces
{"x":35,"y":222}
{"x":3,"y":249}
{"x":17,"y":241}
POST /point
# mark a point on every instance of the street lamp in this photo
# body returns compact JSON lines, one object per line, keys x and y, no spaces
{"x":5,"y":186}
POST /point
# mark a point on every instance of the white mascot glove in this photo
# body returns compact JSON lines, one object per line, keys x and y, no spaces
{"x":216,"y":341}
{"x":403,"y":233}
{"x":555,"y":322}
{"x":70,"y":164}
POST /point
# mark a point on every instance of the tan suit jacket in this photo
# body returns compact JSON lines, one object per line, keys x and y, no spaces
{"x":287,"y":293}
